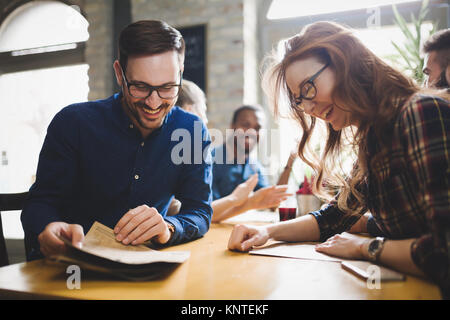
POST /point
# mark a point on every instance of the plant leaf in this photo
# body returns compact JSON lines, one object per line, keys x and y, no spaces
{"x":403,"y":54}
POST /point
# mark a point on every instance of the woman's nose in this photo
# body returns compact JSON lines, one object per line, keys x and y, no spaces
{"x":309,"y":107}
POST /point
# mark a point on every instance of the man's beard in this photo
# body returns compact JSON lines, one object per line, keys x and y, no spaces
{"x":132,"y":108}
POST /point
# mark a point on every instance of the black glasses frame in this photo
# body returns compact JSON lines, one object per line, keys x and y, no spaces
{"x":152,"y":88}
{"x":298,"y":101}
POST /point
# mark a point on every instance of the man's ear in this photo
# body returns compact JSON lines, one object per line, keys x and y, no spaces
{"x":182,"y":69}
{"x":118,"y":73}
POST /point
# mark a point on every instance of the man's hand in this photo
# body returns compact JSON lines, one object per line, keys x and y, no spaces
{"x":244,"y":238}
{"x":141,"y":224}
{"x":242,"y":191}
{"x":49,"y":241}
{"x":268,"y":197}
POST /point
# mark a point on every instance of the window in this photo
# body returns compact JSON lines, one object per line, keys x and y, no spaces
{"x":282,"y":9}
{"x":42,"y":70}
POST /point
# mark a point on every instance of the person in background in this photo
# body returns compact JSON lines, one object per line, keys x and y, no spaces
{"x":240,"y":197}
{"x":401,"y":172}
{"x":110,"y":160}
{"x":437,"y":60}
{"x":233,"y":165}
{"x":192,"y":99}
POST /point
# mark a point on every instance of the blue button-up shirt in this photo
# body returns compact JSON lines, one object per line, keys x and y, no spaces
{"x":94,"y":166}
{"x":228,"y":173}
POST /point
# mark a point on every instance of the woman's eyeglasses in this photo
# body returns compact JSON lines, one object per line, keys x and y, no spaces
{"x":308,"y":90}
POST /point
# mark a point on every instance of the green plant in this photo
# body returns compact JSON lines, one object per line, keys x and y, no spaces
{"x":411,"y":51}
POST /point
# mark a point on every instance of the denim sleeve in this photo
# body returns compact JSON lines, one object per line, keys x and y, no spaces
{"x":195,"y":195}
{"x":262,"y":179}
{"x":55,"y":179}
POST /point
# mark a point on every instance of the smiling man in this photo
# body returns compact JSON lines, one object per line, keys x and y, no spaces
{"x":437,"y":60}
{"x":110,"y":160}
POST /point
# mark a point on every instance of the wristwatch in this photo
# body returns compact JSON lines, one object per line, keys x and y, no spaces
{"x":375,"y":247}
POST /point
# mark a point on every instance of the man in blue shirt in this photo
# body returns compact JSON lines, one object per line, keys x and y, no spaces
{"x":232,"y":162}
{"x":112,"y":160}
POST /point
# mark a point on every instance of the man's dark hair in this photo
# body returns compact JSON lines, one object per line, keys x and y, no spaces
{"x":440,"y":43}
{"x":148,"y":37}
{"x":255,"y":108}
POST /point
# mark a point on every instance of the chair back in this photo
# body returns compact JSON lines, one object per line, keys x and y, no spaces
{"x":9,"y":202}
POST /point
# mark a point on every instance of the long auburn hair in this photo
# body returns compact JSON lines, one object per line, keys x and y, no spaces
{"x":370,"y":89}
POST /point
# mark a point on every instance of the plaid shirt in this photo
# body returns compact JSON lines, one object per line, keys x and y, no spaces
{"x":408,"y":192}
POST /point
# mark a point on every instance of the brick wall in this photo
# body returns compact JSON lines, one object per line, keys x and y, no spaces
{"x":99,"y":48}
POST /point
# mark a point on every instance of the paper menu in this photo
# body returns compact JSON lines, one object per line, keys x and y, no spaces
{"x":100,"y":241}
{"x":307,"y":251}
{"x":254,"y":216}
{"x":303,"y":250}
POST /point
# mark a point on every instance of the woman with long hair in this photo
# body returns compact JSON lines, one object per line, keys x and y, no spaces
{"x":398,"y":188}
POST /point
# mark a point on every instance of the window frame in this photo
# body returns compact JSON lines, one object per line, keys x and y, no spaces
{"x":10,"y":63}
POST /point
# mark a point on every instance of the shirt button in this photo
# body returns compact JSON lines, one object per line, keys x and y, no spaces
{"x":142,"y":144}
{"x":136,"y":177}
{"x":131,"y":126}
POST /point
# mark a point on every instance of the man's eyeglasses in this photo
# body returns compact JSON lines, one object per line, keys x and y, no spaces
{"x":142,"y":90}
{"x":308,"y":90}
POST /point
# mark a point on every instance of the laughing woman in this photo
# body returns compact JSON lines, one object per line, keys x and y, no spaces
{"x":400,"y":137}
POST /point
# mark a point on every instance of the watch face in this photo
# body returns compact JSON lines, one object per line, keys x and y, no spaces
{"x":374,"y":245}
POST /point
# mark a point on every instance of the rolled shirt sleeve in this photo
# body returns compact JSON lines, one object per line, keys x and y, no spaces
{"x":332,"y":220}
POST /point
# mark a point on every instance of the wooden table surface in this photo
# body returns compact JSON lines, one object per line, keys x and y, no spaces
{"x":214,"y":273}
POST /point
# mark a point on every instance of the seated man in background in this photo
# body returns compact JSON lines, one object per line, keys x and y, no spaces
{"x":239,"y":196}
{"x":110,"y":160}
{"x":437,"y":60}
{"x":233,"y":166}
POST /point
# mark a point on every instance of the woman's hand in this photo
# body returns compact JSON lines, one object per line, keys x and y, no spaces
{"x":344,"y":245}
{"x":244,"y":238}
{"x":268,"y":197}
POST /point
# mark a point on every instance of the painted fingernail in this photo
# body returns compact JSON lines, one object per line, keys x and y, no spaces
{"x":119,"y":237}
{"x":116,"y":229}
{"x":126,"y":241}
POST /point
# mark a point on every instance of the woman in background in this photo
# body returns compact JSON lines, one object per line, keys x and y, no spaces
{"x":400,"y":138}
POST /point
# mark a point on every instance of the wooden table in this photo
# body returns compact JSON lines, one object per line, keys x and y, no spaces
{"x":214,"y":273}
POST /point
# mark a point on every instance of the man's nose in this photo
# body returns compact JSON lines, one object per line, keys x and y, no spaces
{"x":153,"y":100}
